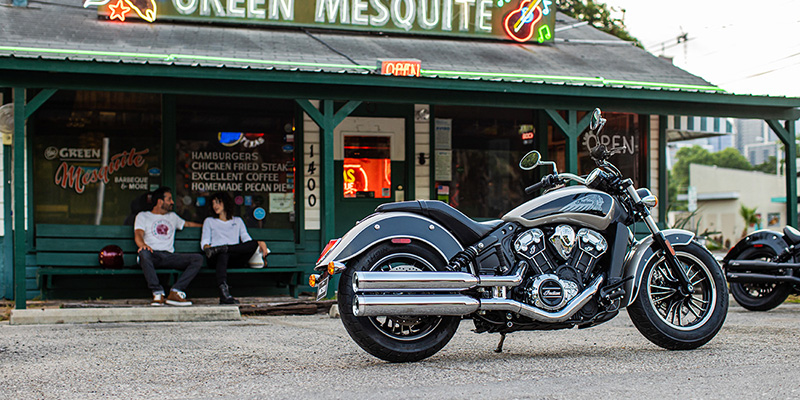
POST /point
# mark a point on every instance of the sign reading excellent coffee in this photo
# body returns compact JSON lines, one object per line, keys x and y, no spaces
{"x":518,"y":20}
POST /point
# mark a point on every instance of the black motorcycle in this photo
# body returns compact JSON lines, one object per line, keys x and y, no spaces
{"x":412,"y":270}
{"x":764,"y":268}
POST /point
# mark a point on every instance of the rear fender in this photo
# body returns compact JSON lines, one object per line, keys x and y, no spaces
{"x":641,"y":254}
{"x":380,"y":227}
{"x":773,"y":240}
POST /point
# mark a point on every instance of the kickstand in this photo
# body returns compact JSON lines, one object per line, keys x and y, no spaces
{"x":499,"y":348}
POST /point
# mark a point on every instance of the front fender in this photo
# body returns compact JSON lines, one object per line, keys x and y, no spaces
{"x":641,"y":254}
{"x":773,"y":240}
{"x":386,"y":226}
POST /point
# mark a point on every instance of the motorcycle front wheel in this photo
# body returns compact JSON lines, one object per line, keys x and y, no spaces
{"x":395,"y":338}
{"x":675,"y":321}
{"x":759,"y":296}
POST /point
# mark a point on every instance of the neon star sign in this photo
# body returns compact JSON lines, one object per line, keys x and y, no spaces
{"x":146,"y":11}
{"x":119,"y":10}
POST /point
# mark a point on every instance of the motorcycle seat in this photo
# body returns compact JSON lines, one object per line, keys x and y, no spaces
{"x":465,"y":229}
{"x":792,"y":235}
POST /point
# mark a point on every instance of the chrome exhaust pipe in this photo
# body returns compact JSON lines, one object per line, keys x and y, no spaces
{"x":541,"y":315}
{"x":373,"y":306}
{"x":430,"y":280}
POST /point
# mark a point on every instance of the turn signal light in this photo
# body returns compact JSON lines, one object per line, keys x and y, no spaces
{"x":650,"y":201}
{"x":312,"y":280}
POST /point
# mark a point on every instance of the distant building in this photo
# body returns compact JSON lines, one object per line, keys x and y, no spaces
{"x":719,"y":200}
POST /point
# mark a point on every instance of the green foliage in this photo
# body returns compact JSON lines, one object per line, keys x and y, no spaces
{"x":768,"y":166}
{"x":598,"y":15}
{"x":728,"y":158}
{"x":749,"y":216}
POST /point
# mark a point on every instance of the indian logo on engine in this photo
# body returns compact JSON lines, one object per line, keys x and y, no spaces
{"x":591,"y":202}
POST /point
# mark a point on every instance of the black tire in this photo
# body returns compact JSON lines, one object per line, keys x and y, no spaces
{"x":675,"y":322}
{"x":395,"y":338}
{"x":759,"y":296}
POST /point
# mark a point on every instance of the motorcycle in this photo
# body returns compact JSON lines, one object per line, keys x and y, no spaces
{"x":763,"y":269}
{"x":412,"y":270}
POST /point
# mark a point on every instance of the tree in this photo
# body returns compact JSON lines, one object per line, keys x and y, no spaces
{"x":598,"y":15}
{"x":750,"y":217}
{"x":679,"y":176}
{"x":768,"y":166}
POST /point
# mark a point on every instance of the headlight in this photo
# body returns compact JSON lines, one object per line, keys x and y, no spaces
{"x":592,"y":180}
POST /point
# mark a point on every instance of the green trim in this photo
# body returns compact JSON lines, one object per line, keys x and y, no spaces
{"x":663,"y":177}
{"x":410,"y":139}
{"x":432,"y":154}
{"x":571,"y":131}
{"x":427,"y":72}
{"x":596,"y":80}
{"x":646,"y":182}
{"x":787,"y":135}
{"x":37,"y":101}
{"x":20,"y":249}
{"x":299,"y":178}
{"x":372,"y":87}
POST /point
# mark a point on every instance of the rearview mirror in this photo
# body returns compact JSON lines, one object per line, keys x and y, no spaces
{"x":595,"y":122}
{"x":530,"y":161}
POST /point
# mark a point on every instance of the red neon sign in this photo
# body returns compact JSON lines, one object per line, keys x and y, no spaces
{"x":400,"y":67}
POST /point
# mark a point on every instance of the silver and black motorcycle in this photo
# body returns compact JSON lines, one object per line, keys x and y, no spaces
{"x":412,"y":270}
{"x":763,"y":269}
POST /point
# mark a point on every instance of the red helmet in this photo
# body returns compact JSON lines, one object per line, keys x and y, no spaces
{"x":111,"y":256}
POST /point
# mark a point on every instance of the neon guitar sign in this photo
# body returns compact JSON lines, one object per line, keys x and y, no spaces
{"x":520,"y":24}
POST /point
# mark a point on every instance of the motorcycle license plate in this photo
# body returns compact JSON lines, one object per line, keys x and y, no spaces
{"x":322,"y":287}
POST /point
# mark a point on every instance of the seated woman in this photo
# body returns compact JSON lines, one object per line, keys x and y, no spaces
{"x":226,"y":242}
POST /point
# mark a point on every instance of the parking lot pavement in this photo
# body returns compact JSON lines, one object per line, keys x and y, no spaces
{"x":291,"y":357}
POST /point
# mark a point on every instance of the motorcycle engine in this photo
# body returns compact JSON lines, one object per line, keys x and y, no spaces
{"x":561,"y":260}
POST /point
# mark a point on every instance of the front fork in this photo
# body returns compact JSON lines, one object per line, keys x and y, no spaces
{"x":661,"y":241}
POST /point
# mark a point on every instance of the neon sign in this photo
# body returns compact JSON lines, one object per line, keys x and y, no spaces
{"x":147,"y":11}
{"x":503,"y":19}
{"x":400,"y":68}
{"x":367,"y":178}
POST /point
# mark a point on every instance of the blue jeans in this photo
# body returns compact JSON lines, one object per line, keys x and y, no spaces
{"x":189,"y":262}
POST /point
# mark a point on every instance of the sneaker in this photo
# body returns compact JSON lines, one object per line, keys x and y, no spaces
{"x":158,"y":299}
{"x":177,"y":298}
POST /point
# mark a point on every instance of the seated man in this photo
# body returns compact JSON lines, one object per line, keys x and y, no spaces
{"x":154,"y":233}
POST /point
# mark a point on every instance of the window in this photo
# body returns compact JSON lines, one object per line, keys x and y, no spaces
{"x":487,"y":145}
{"x":367,"y":167}
{"x":94,"y":153}
{"x":241,"y":146}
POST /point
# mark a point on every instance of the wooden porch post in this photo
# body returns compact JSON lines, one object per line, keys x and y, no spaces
{"x":787,"y":135}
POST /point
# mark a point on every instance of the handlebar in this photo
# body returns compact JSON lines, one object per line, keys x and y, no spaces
{"x":549,"y":181}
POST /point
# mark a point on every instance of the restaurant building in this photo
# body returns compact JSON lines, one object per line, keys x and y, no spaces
{"x":311,"y":113}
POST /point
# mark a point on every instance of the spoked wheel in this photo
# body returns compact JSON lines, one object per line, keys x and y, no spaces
{"x":675,"y":320}
{"x":759,"y":296}
{"x":395,"y":338}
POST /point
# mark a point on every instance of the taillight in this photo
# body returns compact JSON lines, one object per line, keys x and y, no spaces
{"x":327,"y":248}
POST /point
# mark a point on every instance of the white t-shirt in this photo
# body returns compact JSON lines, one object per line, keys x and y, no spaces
{"x":159,"y":230}
{"x":217,"y":232}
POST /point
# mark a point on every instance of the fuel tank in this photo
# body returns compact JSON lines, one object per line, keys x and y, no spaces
{"x":575,"y":205}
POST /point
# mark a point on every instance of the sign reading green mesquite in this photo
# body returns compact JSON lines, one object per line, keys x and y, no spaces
{"x":518,"y":20}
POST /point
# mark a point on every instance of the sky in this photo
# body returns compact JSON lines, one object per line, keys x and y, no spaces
{"x":742,"y":46}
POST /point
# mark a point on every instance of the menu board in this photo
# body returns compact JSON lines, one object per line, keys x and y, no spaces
{"x":255,"y":169}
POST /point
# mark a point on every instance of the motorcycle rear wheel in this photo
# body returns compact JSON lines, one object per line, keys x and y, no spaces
{"x":395,"y":338}
{"x":759,"y":296}
{"x":673,"y":321}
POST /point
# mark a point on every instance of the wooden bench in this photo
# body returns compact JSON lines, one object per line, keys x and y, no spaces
{"x":73,"y":250}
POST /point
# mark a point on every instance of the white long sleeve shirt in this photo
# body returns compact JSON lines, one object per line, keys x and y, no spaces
{"x":217,"y":232}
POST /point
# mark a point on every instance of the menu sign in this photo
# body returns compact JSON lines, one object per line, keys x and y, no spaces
{"x":255,"y":172}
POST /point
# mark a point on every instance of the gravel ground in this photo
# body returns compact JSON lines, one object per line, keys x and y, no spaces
{"x":289,"y":357}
